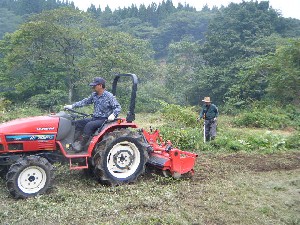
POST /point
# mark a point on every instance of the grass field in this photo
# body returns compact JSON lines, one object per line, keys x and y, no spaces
{"x":228,"y":188}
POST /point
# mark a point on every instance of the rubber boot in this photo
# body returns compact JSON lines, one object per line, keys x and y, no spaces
{"x":80,"y":144}
{"x":207,"y":138}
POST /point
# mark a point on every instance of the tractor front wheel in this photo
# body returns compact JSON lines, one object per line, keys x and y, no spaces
{"x":29,"y":177}
{"x":120,"y":157}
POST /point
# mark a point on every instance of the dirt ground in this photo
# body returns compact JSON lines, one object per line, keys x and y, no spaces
{"x":220,"y":165}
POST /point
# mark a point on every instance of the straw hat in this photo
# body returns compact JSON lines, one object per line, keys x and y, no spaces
{"x":206,"y":99}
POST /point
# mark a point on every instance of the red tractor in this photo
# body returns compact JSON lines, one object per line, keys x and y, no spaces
{"x":117,"y":153}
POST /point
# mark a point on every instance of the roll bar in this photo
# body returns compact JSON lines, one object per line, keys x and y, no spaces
{"x":130,"y":114}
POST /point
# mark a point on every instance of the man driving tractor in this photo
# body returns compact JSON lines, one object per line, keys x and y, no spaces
{"x":106,"y":107}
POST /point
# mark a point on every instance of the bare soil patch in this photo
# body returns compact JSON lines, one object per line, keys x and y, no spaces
{"x":282,"y":161}
{"x":220,"y":165}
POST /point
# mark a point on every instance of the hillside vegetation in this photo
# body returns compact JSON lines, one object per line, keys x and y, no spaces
{"x":236,"y":54}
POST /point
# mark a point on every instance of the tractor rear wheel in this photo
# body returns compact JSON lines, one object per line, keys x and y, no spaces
{"x":29,"y":177}
{"x":120,"y":157}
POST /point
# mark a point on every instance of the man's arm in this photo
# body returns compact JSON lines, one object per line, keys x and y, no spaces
{"x":116,"y":106}
{"x":83,"y":102}
{"x":201,"y":113}
{"x":216,"y":111}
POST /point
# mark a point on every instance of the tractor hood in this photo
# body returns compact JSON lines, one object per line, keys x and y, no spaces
{"x":38,"y":124}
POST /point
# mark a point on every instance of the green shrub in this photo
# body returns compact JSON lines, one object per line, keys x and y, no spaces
{"x":179,"y":116}
{"x":181,"y":126}
{"x":293,"y":141}
{"x":4,"y":104}
{"x":147,"y":104}
{"x":149,"y":96}
{"x":48,"y":100}
{"x":260,"y":116}
{"x":183,"y":131}
{"x":182,"y":138}
{"x":267,"y":142}
{"x":20,"y":111}
{"x":293,"y":113}
{"x":234,"y":140}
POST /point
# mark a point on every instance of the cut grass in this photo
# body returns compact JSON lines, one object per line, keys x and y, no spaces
{"x":235,"y":188}
{"x":225,"y":190}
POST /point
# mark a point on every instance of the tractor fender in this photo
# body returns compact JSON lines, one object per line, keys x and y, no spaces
{"x":109,"y":127}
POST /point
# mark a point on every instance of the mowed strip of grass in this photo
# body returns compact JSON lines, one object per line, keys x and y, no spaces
{"x":225,"y":190}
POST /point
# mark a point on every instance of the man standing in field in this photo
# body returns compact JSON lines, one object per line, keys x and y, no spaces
{"x":209,"y":113}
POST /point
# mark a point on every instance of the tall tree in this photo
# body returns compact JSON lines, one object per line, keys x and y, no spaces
{"x":178,"y":26}
{"x":273,"y":76}
{"x":235,"y":28}
{"x":61,"y":49}
{"x":8,"y":21}
{"x":284,"y":82}
{"x":182,"y":71}
{"x":25,"y":7}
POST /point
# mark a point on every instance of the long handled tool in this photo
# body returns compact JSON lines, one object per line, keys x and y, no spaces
{"x":204,"y":138}
{"x":204,"y":135}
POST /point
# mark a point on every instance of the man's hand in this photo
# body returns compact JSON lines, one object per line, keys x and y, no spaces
{"x":111,"y":117}
{"x":68,"y":107}
{"x":215,"y":119}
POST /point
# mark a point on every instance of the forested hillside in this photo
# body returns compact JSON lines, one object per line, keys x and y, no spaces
{"x":237,"y":54}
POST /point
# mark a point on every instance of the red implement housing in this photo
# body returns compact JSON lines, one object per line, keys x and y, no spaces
{"x":172,"y":161}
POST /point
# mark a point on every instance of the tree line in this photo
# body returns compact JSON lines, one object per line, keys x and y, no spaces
{"x":236,"y":54}
{"x":25,"y":7}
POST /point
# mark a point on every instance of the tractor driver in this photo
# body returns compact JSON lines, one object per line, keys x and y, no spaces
{"x":106,"y":107}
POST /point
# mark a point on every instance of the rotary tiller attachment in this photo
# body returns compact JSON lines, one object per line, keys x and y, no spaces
{"x":171,"y":161}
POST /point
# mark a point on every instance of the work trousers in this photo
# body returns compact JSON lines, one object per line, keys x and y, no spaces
{"x":210,"y":129}
{"x":89,"y":125}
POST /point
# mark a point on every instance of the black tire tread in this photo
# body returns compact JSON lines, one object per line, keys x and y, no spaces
{"x":103,"y":146}
{"x":21,"y":164}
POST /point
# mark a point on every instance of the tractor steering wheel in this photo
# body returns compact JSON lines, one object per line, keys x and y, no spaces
{"x":75,"y":114}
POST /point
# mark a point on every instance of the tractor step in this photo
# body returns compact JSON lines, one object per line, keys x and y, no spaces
{"x":79,"y":167}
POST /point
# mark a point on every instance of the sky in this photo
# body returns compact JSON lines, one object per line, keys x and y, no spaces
{"x":287,"y":8}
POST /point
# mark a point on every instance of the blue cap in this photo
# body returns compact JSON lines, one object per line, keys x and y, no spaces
{"x":97,"y":80}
